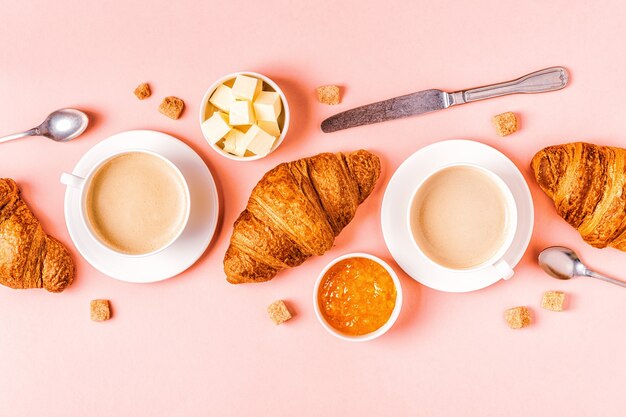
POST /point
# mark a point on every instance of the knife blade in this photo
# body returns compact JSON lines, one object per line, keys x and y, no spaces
{"x":394,"y":108}
{"x":549,"y":79}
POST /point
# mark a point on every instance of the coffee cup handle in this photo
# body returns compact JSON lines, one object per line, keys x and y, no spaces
{"x":504,"y":269}
{"x":72,"y":180}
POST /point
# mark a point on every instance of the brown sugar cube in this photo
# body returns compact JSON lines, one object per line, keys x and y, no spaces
{"x":517,"y":317}
{"x":100,"y":310}
{"x":172,"y":107}
{"x":505,"y":123}
{"x":143,"y":91}
{"x":279,"y":312}
{"x":328,"y":94}
{"x":553,"y":300}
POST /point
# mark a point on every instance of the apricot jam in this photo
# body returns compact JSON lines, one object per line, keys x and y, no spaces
{"x":357,"y":296}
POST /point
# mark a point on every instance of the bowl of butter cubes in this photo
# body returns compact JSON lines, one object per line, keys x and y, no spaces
{"x":244,"y":116}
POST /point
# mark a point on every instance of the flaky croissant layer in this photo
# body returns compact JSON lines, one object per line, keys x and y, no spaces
{"x":295,"y":211}
{"x":587,"y":184}
{"x":29,"y":258}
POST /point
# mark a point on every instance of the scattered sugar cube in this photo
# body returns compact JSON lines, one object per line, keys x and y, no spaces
{"x":279,"y":312}
{"x":172,"y":107}
{"x":505,"y":123}
{"x":267,"y":106}
{"x":518,"y":317}
{"x":270,"y":127}
{"x":247,"y":88}
{"x":241,"y":113}
{"x":231,"y":139}
{"x":259,"y":141}
{"x":328,"y":94}
{"x":215,"y":127}
{"x":100,"y":310}
{"x":143,"y":91}
{"x":222,"y":98}
{"x":553,"y":300}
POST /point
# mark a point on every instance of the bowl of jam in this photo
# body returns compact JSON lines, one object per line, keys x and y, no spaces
{"x":357,"y":297}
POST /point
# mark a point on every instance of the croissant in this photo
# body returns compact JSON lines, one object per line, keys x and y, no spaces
{"x":28,"y":257}
{"x":587,"y":184}
{"x":295,"y":211}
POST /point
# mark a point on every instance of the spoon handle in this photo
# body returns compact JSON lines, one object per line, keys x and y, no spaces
{"x":605,"y":278}
{"x":31,"y":132}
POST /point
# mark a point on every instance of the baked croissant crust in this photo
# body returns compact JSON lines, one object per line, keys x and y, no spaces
{"x":295,"y":211}
{"x":29,"y":258}
{"x":587,"y":184}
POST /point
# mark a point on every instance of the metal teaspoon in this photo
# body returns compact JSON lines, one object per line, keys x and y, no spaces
{"x":563,"y":263}
{"x":61,"y":126}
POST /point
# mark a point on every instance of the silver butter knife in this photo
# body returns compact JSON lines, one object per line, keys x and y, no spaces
{"x":549,"y":79}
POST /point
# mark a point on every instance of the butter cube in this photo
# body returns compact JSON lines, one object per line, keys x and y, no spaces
{"x":222,"y":97}
{"x":241,"y":113}
{"x":247,"y":88}
{"x":259,"y":141}
{"x":270,"y":127}
{"x":241,"y":142}
{"x":215,"y":127}
{"x":231,"y":139}
{"x":267,"y":106}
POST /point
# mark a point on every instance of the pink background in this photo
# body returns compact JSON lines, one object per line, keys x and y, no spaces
{"x":196,"y":345}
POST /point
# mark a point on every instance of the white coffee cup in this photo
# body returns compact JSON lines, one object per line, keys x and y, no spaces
{"x":82,"y":184}
{"x":496,"y":261}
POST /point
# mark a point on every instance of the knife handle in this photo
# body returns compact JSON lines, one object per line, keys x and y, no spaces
{"x":549,"y":79}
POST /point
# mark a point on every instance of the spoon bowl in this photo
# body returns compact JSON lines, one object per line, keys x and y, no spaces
{"x":560,"y":262}
{"x":64,"y":125}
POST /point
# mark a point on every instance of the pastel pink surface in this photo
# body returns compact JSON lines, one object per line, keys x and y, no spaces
{"x":196,"y":345}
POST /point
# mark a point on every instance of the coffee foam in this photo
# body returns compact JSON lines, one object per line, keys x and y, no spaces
{"x":459,"y":217}
{"x":136,"y":203}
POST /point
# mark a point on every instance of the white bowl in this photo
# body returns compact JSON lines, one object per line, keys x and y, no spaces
{"x":376,"y":333}
{"x":207,"y":109}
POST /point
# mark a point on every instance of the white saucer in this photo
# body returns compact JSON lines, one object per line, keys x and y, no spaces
{"x":397,"y":199}
{"x":188,"y":247}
